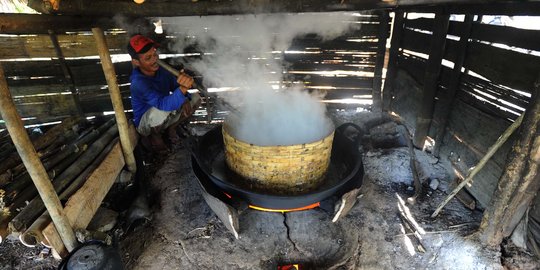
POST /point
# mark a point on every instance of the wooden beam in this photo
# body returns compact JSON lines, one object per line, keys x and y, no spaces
{"x":425,"y":113}
{"x":202,"y":8}
{"x":82,"y":206}
{"x":38,"y":46}
{"x":67,"y":72}
{"x":519,"y":184}
{"x":510,"y":8}
{"x":116,"y":98}
{"x":384,"y":29}
{"x":397,"y":33}
{"x":33,"y":165}
{"x":448,"y":100}
{"x":40,"y":23}
{"x":492,"y":150}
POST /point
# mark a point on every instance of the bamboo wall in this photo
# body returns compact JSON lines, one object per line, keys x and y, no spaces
{"x":40,"y":87}
{"x":42,"y":90}
{"x":493,"y":90}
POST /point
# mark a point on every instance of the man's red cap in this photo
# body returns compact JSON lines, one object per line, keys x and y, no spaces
{"x":140,"y":44}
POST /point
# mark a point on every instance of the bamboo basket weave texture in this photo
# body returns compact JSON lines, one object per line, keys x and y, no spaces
{"x":291,"y":169}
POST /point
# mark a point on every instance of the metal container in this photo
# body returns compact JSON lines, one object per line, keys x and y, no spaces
{"x":281,"y":169}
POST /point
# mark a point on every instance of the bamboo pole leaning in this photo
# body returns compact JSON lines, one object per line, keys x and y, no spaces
{"x":116,"y":98}
{"x":491,"y":151}
{"x":29,"y":156}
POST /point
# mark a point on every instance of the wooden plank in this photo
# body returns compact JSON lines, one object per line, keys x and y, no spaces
{"x":39,"y":46}
{"x":425,"y":113}
{"x":329,"y":67}
{"x":335,"y":46}
{"x":494,"y":95}
{"x":480,"y":165}
{"x":45,"y":105}
{"x":347,"y":106}
{"x":347,"y":93}
{"x":510,"y":68}
{"x":450,"y":96}
{"x":103,"y":104}
{"x":353,"y":56}
{"x":32,"y":68}
{"x":470,"y":83}
{"x":92,"y":73}
{"x":204,"y":8}
{"x":484,"y":106}
{"x":415,"y":66}
{"x":416,"y":41}
{"x":395,"y":44}
{"x":67,"y":72}
{"x":511,"y":36}
{"x":17,"y":91}
{"x":33,"y":81}
{"x":470,"y":133}
{"x":41,"y":120}
{"x":510,"y":8}
{"x":40,"y":24}
{"x":338,"y":82}
{"x":81,"y":207}
{"x":425,"y":24}
{"x":383,"y":34}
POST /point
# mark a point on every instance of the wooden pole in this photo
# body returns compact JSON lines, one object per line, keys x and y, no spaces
{"x":446,"y":103}
{"x":67,"y":72}
{"x":397,"y":33}
{"x":500,"y":141}
{"x":33,"y":165}
{"x":379,"y":63}
{"x":33,"y":209}
{"x":82,"y":206}
{"x":431,"y":78}
{"x":520,"y":182}
{"x":116,"y":98}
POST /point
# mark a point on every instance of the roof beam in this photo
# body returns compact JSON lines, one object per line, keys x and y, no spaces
{"x":228,"y":7}
{"x":42,"y":23}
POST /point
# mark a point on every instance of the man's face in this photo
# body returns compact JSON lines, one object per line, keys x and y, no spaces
{"x":147,"y":62}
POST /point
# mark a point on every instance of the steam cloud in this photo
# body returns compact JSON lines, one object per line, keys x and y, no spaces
{"x":241,"y":56}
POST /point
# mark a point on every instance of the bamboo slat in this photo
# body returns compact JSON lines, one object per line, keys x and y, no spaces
{"x":291,"y":169}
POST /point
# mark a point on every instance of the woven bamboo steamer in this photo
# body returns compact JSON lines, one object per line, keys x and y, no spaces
{"x":282,"y":169}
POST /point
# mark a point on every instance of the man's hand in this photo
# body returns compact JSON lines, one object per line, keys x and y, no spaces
{"x":185,"y":81}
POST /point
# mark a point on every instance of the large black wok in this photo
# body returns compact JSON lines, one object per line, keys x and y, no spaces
{"x":345,"y":171}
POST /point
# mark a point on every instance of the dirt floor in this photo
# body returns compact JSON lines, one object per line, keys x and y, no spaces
{"x":180,"y":231}
{"x":186,"y":234}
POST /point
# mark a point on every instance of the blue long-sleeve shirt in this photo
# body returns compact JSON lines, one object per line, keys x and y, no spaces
{"x":147,"y":92}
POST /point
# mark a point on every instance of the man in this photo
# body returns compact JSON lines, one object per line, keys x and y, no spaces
{"x":160,"y":101}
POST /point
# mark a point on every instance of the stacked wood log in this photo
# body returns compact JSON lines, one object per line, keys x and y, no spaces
{"x":69,"y":152}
